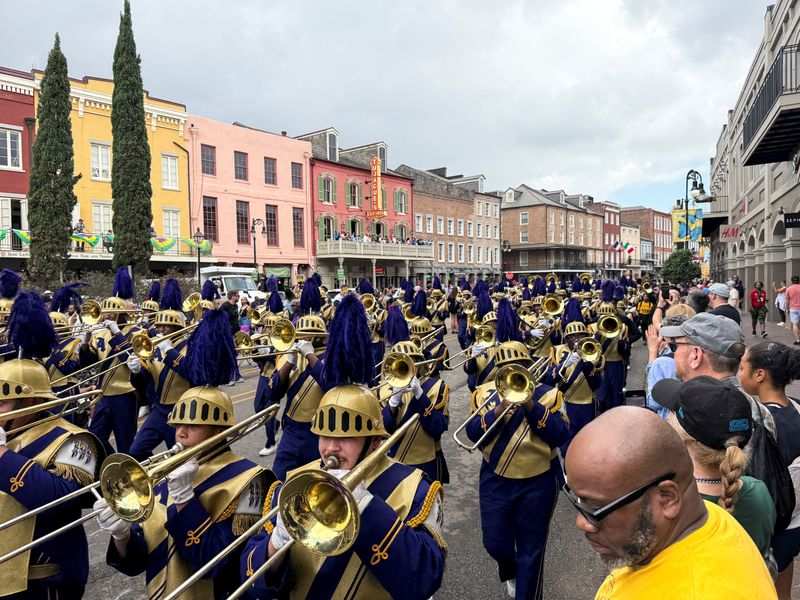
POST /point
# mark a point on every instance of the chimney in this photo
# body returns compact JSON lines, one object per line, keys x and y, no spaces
{"x":283,"y":133}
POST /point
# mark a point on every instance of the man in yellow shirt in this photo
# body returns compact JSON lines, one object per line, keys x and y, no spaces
{"x":640,"y":510}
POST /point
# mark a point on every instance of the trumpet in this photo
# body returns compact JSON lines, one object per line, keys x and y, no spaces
{"x":127,"y":485}
{"x":484,"y":336}
{"x":514,"y":385}
{"x":589,"y":350}
{"x":319,"y":510}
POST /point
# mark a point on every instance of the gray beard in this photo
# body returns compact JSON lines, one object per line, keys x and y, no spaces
{"x":639,"y":545}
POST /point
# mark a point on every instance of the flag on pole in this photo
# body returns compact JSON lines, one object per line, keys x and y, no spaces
{"x":628,"y":247}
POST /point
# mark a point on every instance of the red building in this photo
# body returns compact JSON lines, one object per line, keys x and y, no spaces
{"x":360,"y":232}
{"x":613,"y":256}
{"x":17,"y":126}
{"x":653,"y":225}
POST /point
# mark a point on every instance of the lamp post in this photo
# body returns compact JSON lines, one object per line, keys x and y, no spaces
{"x":698,"y":194}
{"x":505,"y":248}
{"x":253,"y":233}
{"x":198,"y":238}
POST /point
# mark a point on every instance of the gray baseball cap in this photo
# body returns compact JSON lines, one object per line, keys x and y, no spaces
{"x":712,"y":332}
{"x":720,"y":289}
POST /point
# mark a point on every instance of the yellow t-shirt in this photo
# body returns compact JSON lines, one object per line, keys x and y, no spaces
{"x":717,"y":562}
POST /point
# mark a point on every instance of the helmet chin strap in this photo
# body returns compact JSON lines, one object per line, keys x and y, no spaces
{"x":365,"y":450}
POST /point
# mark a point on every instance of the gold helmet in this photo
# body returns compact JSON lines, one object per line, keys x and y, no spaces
{"x":203,"y":405}
{"x":150,"y":306}
{"x":622,"y":305}
{"x":172,"y":318}
{"x":537,"y":301}
{"x":511,"y":352}
{"x":420,"y":326}
{"x":328,"y":312}
{"x":270,"y":319}
{"x":23,"y":378}
{"x":409,"y":348}
{"x":436,"y":293}
{"x":311,"y":324}
{"x":348,"y":411}
{"x":59,"y":319}
{"x":574,"y":328}
{"x":113,"y":304}
{"x":561,"y":292}
{"x":606,"y":308}
{"x":488,"y":317}
{"x":5,"y":306}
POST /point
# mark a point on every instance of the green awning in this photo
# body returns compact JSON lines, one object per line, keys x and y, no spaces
{"x":278,"y":271}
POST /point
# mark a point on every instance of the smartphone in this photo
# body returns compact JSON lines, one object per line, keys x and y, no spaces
{"x":665,"y":293}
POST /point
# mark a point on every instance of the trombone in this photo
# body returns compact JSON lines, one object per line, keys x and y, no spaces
{"x":43,"y":406}
{"x":484,"y":335}
{"x":91,"y":311}
{"x":514,"y":385}
{"x":399,"y":370}
{"x":589,"y":350}
{"x":320,"y":511}
{"x":127,"y":485}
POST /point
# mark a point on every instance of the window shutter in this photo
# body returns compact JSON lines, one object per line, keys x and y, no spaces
{"x":333,"y":191}
{"x":320,"y":193}
{"x":321,"y":228}
{"x":359,"y":195}
{"x":394,"y":202}
{"x":335,"y":224}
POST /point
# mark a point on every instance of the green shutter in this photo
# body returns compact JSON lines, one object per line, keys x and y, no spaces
{"x":320,"y":194}
{"x":321,"y":229}
{"x":333,"y":191}
{"x":335,"y":224}
{"x":359,"y":195}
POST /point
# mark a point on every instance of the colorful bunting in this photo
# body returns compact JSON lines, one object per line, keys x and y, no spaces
{"x":22,"y":235}
{"x":162,"y":244}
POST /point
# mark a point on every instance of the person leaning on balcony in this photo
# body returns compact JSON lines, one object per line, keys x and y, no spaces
{"x":80,"y":227}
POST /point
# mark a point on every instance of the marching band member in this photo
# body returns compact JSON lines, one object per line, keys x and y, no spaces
{"x":297,"y":377}
{"x":267,"y":366}
{"x":615,"y":351}
{"x":433,"y":347}
{"x":64,"y":360}
{"x":116,"y":411}
{"x":40,"y":464}
{"x":200,"y":507}
{"x":376,"y":319}
{"x":520,"y":475}
{"x":399,"y":551}
{"x":576,"y":379}
{"x":461,"y":316}
{"x":150,"y":307}
{"x":439,"y":314}
{"x":481,"y":365}
{"x":427,"y":397}
{"x":167,"y":371}
{"x":396,"y":327}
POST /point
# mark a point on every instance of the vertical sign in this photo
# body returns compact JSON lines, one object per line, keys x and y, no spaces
{"x":375,"y":189}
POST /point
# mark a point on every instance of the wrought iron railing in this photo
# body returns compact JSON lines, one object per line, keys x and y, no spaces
{"x":335,"y":248}
{"x":782,"y":78}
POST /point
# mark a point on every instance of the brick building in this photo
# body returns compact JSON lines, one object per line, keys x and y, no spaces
{"x":630,"y":257}
{"x":462,"y":224}
{"x":653,"y":225}
{"x":544,"y":231}
{"x":613,"y":261}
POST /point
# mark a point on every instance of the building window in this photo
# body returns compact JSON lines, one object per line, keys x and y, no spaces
{"x":451,"y":252}
{"x":523,"y":258}
{"x":571,"y":238}
{"x":327,"y":190}
{"x":580,"y":222}
{"x":469,"y":229}
{"x":400,"y":202}
{"x":523,"y":218}
{"x":101,"y":217}
{"x":441,"y":252}
{"x":479,"y":254}
{"x":488,"y":209}
{"x":469,"y":254}
{"x":552,"y":218}
{"x":605,"y":239}
{"x":242,"y":222}
{"x":552,"y":236}
{"x":210,"y":218}
{"x":101,"y":162}
{"x":297,"y":227}
{"x":271,"y":224}
{"x":10,"y":148}
{"x":479,"y":230}
{"x":572,"y":220}
{"x":496,"y":231}
{"x":327,"y":229}
{"x":478,"y":206}
{"x":605,"y":217}
{"x":383,"y":198}
{"x":523,"y":235}
{"x":496,"y":211}
{"x":460,"y":227}
{"x":450,"y":227}
{"x":428,"y":224}
{"x":382,"y":156}
{"x":208,"y":159}
{"x":418,"y":223}
{"x":270,"y":171}
{"x":580,"y":239}
{"x":440,"y":225}
{"x":461,"y":253}
{"x":240,"y":165}
{"x":333,"y":150}
{"x":562,"y":237}
{"x":353,"y":194}
{"x":561,"y":219}
{"x":169,"y":172}
{"x":297,"y":176}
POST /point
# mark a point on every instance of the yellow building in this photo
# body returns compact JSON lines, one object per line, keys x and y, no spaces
{"x":631,"y":235}
{"x":91,"y":134}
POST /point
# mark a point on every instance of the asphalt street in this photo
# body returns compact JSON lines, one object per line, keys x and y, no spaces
{"x":571,"y":569}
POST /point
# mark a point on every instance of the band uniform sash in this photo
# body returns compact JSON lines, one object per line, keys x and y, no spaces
{"x":416,"y":447}
{"x":576,"y":389}
{"x":304,"y":393}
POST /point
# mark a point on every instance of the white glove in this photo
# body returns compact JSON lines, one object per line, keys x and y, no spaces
{"x":134,"y":365}
{"x":305,"y":347}
{"x":537,"y":333}
{"x":3,"y":439}
{"x":572,"y":359}
{"x":179,"y":481}
{"x":111,"y":326}
{"x":291,"y":359}
{"x":543,"y":322}
{"x":264,"y":350}
{"x":585,"y":304}
{"x":416,"y":388}
{"x":477,"y":350}
{"x":165,"y":346}
{"x":396,"y":399}
{"x":109,"y":522}
{"x":279,"y":536}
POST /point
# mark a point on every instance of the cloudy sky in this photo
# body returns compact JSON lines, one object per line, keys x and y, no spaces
{"x":613,"y":98}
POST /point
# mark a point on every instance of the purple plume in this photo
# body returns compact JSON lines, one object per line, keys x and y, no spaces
{"x":507,"y":323}
{"x":310,"y":299}
{"x":619,"y":292}
{"x":408,"y":294}
{"x":365,"y":287}
{"x":210,"y":355}
{"x":272,"y":284}
{"x":607,"y":290}
{"x":30,"y":328}
{"x":348,"y":357}
{"x":317,"y":279}
{"x":154,"y":293}
{"x":9,"y":283}
{"x":572,"y":312}
{"x":209,"y":291}
{"x":465,"y":285}
{"x":172,"y":298}
{"x":419,"y":307}
{"x":395,"y":328}
{"x":123,"y":284}
{"x":437,"y":283}
{"x":275,"y":303}
{"x":483,"y":305}
{"x":66,"y":295}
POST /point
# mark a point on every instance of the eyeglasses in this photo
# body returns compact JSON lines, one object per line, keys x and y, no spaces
{"x":595,"y":516}
{"x":674,"y":345}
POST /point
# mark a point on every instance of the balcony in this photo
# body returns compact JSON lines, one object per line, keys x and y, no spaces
{"x":772,"y":127}
{"x":344,"y":249}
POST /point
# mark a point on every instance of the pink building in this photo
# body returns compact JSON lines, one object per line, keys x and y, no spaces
{"x":250,"y":196}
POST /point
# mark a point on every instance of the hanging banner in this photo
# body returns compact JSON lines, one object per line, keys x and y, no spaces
{"x":89,"y":238}
{"x":3,"y":233}
{"x":162,"y":244}
{"x":205,"y":245}
{"x":682,"y":230}
{"x":22,"y":235}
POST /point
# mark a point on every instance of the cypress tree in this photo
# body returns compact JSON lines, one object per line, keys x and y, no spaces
{"x":130,"y":170}
{"x":51,"y":196}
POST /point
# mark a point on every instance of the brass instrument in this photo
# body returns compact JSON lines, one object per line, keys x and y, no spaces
{"x":191,"y":302}
{"x":586,"y":278}
{"x":256,"y":316}
{"x":409,"y":316}
{"x":369,"y":302}
{"x":127,"y":485}
{"x":553,"y":305}
{"x":398,"y":370}
{"x":319,"y":510}
{"x":484,"y":336}
{"x":610,"y":326}
{"x":283,"y":335}
{"x":589,"y":350}
{"x":91,"y":311}
{"x":43,"y":406}
{"x":514,"y":385}
{"x":551,"y":278}
{"x":647,"y":287}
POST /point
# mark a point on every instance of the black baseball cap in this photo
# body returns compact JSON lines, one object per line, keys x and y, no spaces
{"x":710,"y":410}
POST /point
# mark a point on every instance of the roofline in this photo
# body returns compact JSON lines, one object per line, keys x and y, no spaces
{"x":381,"y":143}
{"x":310,"y":133}
{"x":389,"y":172}
{"x":16,"y":73}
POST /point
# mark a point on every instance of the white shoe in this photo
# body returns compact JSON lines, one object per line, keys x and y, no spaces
{"x":231,"y":384}
{"x":240,"y":380}
{"x":511,"y":587}
{"x":143,"y":411}
{"x":268,"y":451}
{"x":781,"y":324}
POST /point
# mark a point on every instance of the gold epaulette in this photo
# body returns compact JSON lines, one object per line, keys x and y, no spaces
{"x":425,"y":509}
{"x":268,"y":526}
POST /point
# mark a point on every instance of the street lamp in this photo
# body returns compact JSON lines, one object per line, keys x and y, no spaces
{"x":505,"y":248}
{"x":253,"y":233}
{"x":198,"y":238}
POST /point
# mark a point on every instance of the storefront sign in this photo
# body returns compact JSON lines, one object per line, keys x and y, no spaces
{"x":729,"y":233}
{"x":791,"y":220}
{"x":375,"y":183}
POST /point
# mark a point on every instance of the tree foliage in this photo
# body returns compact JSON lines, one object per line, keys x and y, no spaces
{"x":51,"y":195}
{"x":679,"y":268}
{"x":130,"y":171}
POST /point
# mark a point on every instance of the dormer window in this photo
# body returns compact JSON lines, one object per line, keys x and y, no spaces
{"x":382,"y":156}
{"x":509,"y":197}
{"x":333,"y":147}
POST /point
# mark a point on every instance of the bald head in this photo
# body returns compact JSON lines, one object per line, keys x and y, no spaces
{"x":625,"y":447}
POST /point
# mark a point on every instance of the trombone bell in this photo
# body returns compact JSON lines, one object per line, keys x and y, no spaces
{"x":191,"y":302}
{"x":282,"y":335}
{"x":127,"y":487}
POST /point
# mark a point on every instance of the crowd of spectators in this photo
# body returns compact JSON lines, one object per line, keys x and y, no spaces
{"x":380,"y":239}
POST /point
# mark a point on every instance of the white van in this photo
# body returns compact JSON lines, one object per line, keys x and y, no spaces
{"x":232,"y":278}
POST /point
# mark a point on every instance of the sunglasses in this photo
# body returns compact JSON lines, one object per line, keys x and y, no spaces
{"x":595,"y":516}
